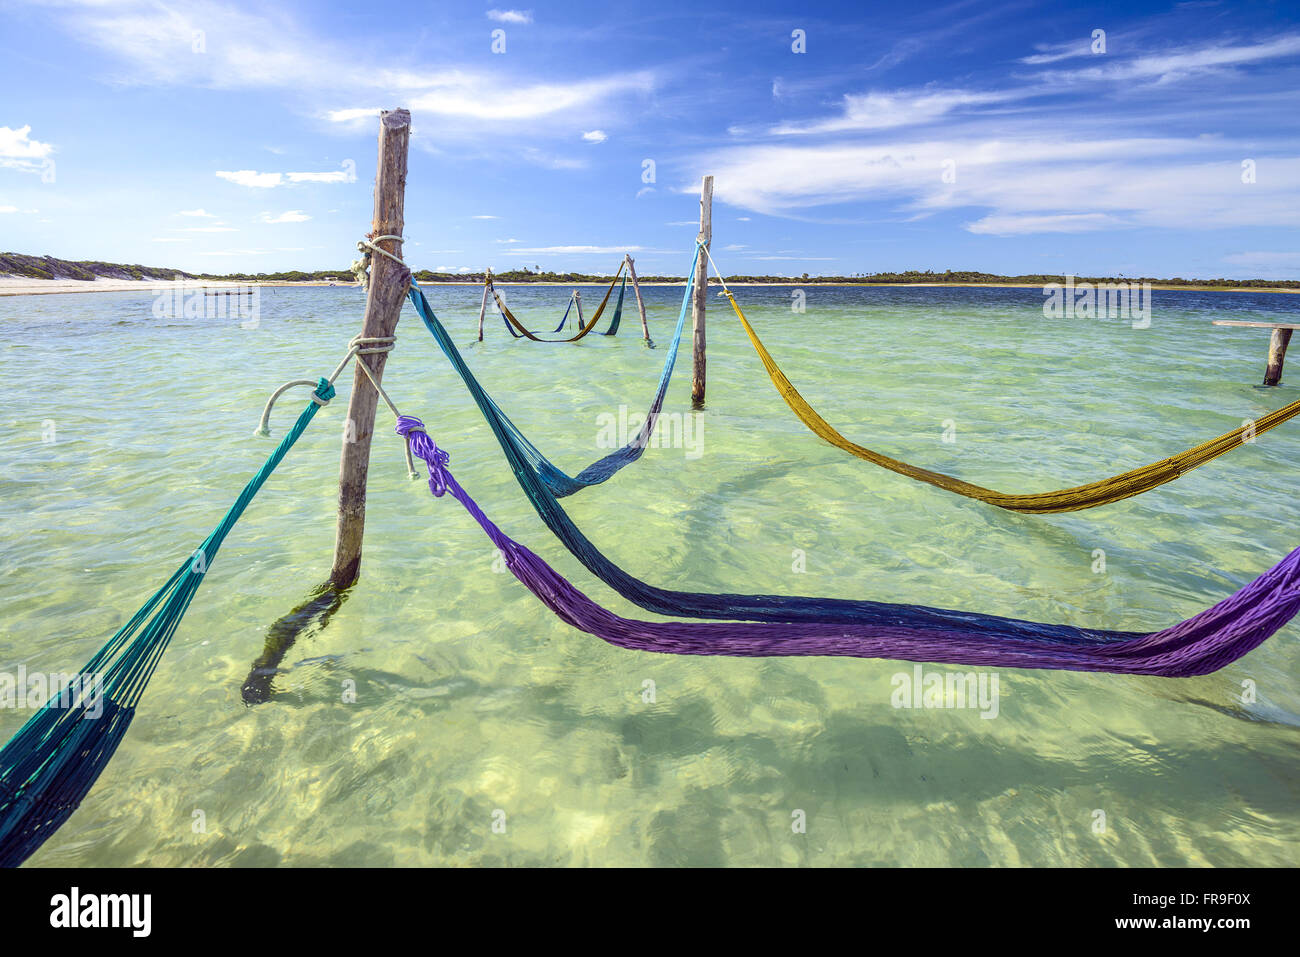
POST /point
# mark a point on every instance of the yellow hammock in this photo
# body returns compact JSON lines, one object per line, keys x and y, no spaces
{"x":510,"y":316}
{"x":1104,"y":492}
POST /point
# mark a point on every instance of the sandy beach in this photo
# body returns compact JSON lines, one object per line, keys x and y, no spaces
{"x":20,"y":286}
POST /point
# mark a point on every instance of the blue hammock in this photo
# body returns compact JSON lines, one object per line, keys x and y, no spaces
{"x":556,"y":479}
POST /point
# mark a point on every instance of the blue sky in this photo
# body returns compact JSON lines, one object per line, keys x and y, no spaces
{"x":216,"y":136}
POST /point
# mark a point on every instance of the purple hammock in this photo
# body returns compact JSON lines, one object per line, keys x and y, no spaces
{"x":1197,"y":646}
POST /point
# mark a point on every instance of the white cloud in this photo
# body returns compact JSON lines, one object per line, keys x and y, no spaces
{"x":170,"y":239}
{"x":511,"y":16}
{"x":487,"y":98}
{"x":1019,"y":185}
{"x":276,"y":48}
{"x":356,"y":113}
{"x":290,"y":216}
{"x":595,"y":136}
{"x":257,"y":180}
{"x":890,"y":110}
{"x":1012,"y":224}
{"x":8,"y":209}
{"x":248,"y":177}
{"x":477,"y":99}
{"x":1176,"y":65}
{"x":879,"y":111}
{"x":18,"y":145}
{"x":201,"y":213}
{"x":507,"y":240}
{"x":1053,"y":53}
{"x":485,"y":216}
{"x":209,"y":229}
{"x":346,"y":175}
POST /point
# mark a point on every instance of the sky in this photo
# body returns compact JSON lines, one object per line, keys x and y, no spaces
{"x":1156,"y":139}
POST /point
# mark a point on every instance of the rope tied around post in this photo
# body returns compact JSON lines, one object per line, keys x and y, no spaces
{"x":361,"y":267}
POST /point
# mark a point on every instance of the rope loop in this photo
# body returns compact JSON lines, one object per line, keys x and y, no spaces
{"x":372,"y":345}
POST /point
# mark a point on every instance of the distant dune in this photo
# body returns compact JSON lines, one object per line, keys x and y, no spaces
{"x":47,"y":267}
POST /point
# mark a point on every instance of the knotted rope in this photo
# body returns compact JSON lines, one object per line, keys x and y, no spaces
{"x":419,"y":441}
{"x":358,"y":346}
{"x":361,"y":267}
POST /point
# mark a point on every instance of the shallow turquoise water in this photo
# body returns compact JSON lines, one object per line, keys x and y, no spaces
{"x":473,"y":700}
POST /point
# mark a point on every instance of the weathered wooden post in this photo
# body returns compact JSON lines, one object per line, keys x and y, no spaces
{"x":577,"y":301}
{"x":1277,"y":344}
{"x":389,"y":281}
{"x":482,"y":309}
{"x":1279,"y":338}
{"x":636,"y":288}
{"x":701,"y":294}
{"x":388,"y":284}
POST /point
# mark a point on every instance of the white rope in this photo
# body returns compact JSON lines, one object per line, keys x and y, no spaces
{"x":410,"y":462}
{"x":726,"y":291}
{"x":358,"y":346}
{"x":360,"y":267}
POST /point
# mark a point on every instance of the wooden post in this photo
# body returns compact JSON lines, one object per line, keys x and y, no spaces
{"x":636,"y":288}
{"x":577,"y":301}
{"x":487,"y":278}
{"x":1279,"y":339}
{"x":1277,"y":344}
{"x":701,"y":294}
{"x":389,"y":281}
{"x":388,"y":284}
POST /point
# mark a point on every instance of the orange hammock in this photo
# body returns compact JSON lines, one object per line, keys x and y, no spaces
{"x":591,"y":324}
{"x":1103,"y":492}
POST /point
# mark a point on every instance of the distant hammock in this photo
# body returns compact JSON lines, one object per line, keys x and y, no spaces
{"x":557,"y":480}
{"x":512,"y":323}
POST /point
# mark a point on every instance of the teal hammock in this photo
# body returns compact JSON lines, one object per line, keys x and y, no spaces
{"x":618,"y":309}
{"x":561,"y":483}
{"x":56,"y":757}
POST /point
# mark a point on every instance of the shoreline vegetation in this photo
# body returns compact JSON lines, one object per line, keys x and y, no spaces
{"x":21,"y":274}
